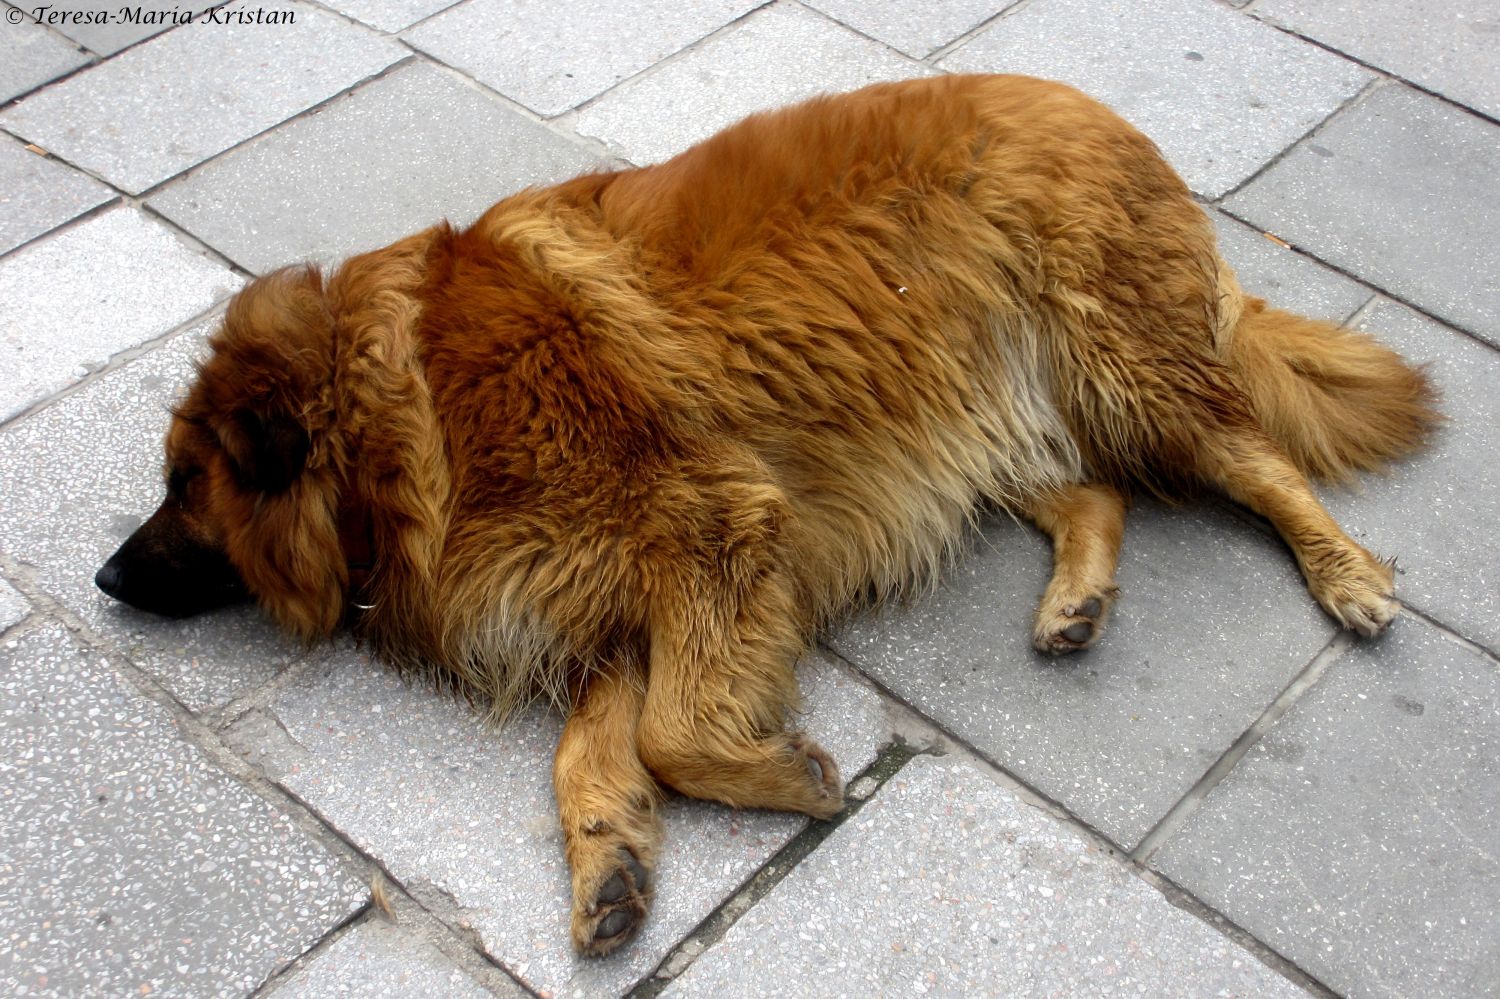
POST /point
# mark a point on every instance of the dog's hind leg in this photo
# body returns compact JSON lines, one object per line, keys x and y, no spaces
{"x":1086,"y":522}
{"x":721,"y":682}
{"x":1353,"y":586}
{"x":607,"y":802}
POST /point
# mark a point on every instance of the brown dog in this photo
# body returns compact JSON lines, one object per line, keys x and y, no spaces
{"x":629,"y":440}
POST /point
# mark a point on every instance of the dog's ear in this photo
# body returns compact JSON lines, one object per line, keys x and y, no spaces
{"x":266,"y":452}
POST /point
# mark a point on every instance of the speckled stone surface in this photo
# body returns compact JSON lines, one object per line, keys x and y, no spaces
{"x":946,"y":884}
{"x":74,"y":301}
{"x":117,"y":32}
{"x":1212,"y":624}
{"x":1358,"y":838}
{"x":1285,"y":278}
{"x":390,"y":15}
{"x":377,"y":960}
{"x":130,"y":863}
{"x":124,"y":119}
{"x":396,"y":156}
{"x":552,"y":57}
{"x":38,"y":194}
{"x":82,"y":474}
{"x":1449,"y":46}
{"x":916,"y":29}
{"x":1399,"y":189}
{"x":1220,"y":93}
{"x":13,"y":607}
{"x":412,"y":777}
{"x":1430,"y":510}
{"x":778,"y":55}
{"x":33,"y":55}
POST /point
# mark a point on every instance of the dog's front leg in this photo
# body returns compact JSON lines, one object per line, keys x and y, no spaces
{"x":607,"y":802}
{"x":1086,"y":522}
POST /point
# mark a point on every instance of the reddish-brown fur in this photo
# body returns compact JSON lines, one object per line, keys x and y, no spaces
{"x":631,"y":439}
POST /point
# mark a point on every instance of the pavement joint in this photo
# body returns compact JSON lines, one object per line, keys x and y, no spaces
{"x":1179,"y":813}
{"x":115,"y":362}
{"x":888,"y":762}
{"x":1372,"y":67}
{"x":1351,"y":102}
{"x":943,"y":51}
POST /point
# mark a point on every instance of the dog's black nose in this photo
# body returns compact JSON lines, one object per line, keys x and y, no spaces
{"x":108,"y":578}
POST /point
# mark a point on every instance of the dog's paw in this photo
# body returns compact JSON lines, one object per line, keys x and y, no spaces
{"x":1069,"y":622}
{"x":611,"y":910}
{"x":1359,"y":593}
{"x":826,"y":796}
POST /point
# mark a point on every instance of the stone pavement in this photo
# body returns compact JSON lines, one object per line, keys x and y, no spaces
{"x":1225,"y":798}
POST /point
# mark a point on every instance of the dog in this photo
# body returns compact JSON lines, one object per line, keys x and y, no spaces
{"x":629,"y":441}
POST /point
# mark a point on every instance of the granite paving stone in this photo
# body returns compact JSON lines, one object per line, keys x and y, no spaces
{"x":38,"y":194}
{"x":916,"y":29}
{"x":13,"y":607}
{"x":947,"y":884}
{"x":396,"y":156}
{"x":448,"y":808}
{"x":777,"y":56}
{"x":127,"y":119}
{"x":1399,"y":190}
{"x":76,"y":478}
{"x":1449,"y":46}
{"x":553,"y":56}
{"x":77,"y":299}
{"x":122,"y":26}
{"x":33,"y":56}
{"x":1219,"y":92}
{"x":377,"y":960}
{"x":130,"y":863}
{"x":1358,"y":837}
{"x":1285,"y":278}
{"x":390,"y":15}
{"x":1431,"y":511}
{"x":1213,"y":622}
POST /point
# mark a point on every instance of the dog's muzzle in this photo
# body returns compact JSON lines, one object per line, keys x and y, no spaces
{"x":161,"y":569}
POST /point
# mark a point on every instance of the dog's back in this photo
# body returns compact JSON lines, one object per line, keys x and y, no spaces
{"x":884,"y":307}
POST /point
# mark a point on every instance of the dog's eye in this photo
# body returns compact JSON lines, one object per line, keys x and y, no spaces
{"x":177,"y":482}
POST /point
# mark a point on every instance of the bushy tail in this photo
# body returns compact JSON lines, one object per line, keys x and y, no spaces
{"x":1334,"y":399}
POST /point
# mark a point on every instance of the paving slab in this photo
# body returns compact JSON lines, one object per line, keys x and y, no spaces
{"x":1431,"y":510}
{"x":120,"y":27}
{"x":396,"y":156}
{"x":77,"y":299}
{"x":38,"y":194}
{"x":1399,"y":190}
{"x":947,"y":884}
{"x":1358,"y":837}
{"x":390,"y":15}
{"x":1213,"y":622}
{"x":552,"y":57}
{"x":468,"y":815}
{"x":1219,"y":92}
{"x":13,"y":607}
{"x":777,"y":56}
{"x":377,"y":960}
{"x":917,"y":30}
{"x":178,"y":99}
{"x":130,"y":863}
{"x":1284,"y":277}
{"x":33,"y":56}
{"x":76,"y":478}
{"x":1448,"y":46}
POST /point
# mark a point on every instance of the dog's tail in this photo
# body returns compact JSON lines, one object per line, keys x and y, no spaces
{"x":1333,"y":398}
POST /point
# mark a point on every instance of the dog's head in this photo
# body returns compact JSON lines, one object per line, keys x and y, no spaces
{"x":249,"y":507}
